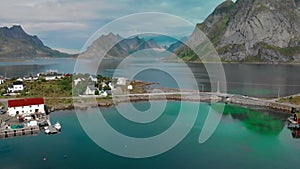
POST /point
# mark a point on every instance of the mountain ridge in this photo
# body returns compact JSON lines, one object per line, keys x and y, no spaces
{"x":254,"y":31}
{"x":16,"y":43}
{"x":117,"y":46}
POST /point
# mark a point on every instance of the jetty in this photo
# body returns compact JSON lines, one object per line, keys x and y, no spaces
{"x":13,"y":132}
{"x":27,"y":116}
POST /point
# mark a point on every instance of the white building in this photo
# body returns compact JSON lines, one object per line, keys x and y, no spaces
{"x":2,"y":80}
{"x":91,"y":90}
{"x":20,"y":79}
{"x":93,"y":78}
{"x":53,"y":76}
{"x":15,"y":87}
{"x":30,"y":78}
{"x":26,"y":106}
{"x":129,"y":87}
{"x":121,"y":81}
{"x":76,"y":81}
{"x":104,"y":93}
{"x":111,"y":86}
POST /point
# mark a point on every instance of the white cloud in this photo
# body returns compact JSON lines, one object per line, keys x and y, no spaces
{"x":51,"y":18}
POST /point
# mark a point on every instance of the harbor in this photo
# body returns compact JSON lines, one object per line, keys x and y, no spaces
{"x":26,"y":117}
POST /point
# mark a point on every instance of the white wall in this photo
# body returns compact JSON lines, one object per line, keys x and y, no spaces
{"x":16,"y":88}
{"x":12,"y":111}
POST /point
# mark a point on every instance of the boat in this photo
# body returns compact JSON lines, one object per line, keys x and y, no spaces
{"x":50,"y":130}
{"x":294,"y":121}
{"x":57,"y":126}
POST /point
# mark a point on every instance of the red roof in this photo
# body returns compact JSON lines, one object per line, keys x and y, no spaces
{"x":25,"y":102}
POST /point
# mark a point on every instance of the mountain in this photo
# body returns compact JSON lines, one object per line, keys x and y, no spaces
{"x":117,"y":46}
{"x":254,"y":30}
{"x":15,"y":42}
{"x":177,"y":45}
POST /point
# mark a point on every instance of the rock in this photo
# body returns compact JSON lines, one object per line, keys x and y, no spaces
{"x":254,"y":30}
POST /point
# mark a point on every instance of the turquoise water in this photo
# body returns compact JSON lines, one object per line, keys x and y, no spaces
{"x":244,"y":139}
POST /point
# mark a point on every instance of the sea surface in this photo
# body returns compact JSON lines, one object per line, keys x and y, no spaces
{"x":260,"y":80}
{"x":245,"y":138}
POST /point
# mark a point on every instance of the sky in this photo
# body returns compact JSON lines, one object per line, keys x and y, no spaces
{"x":67,"y":24}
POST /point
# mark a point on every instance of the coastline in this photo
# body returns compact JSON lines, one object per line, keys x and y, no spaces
{"x":85,"y":103}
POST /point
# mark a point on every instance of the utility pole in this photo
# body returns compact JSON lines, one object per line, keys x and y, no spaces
{"x":278,"y":92}
{"x":218,"y":87}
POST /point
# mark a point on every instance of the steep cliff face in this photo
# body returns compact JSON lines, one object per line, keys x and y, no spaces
{"x":255,"y":30}
{"x":15,"y":42}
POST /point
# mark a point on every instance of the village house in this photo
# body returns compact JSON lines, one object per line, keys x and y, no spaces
{"x":91,"y":90}
{"x":76,"y":81}
{"x":93,"y":78}
{"x":15,"y":87}
{"x":53,"y":76}
{"x":26,"y":106}
{"x":30,"y":78}
{"x":2,"y":80}
{"x":130,"y":87}
{"x":103,"y":93}
{"x":19,"y":79}
{"x":121,"y":81}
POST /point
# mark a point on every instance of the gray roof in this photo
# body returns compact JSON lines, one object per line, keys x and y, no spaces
{"x":92,"y":87}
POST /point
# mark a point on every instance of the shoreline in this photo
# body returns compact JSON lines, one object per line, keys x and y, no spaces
{"x":85,"y":103}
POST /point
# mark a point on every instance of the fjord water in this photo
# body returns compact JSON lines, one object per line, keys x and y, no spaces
{"x":244,"y":139}
{"x":260,"y":80}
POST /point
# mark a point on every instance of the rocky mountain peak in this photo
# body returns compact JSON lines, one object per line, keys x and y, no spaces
{"x":118,"y":46}
{"x":15,"y":42}
{"x":255,"y":30}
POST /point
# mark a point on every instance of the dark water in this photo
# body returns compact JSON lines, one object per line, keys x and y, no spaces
{"x":244,"y":139}
{"x":247,"y":79}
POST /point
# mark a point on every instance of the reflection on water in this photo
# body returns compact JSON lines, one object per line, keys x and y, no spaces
{"x":260,"y":121}
{"x":295,"y":133}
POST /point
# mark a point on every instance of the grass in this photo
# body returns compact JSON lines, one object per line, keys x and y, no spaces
{"x":58,"y":93}
{"x":293,"y":100}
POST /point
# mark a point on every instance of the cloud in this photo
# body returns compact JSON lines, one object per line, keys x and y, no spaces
{"x":51,"y":18}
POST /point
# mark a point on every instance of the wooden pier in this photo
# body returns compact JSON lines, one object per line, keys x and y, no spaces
{"x":8,"y":133}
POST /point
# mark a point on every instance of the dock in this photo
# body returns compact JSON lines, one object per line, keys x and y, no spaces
{"x":8,"y":133}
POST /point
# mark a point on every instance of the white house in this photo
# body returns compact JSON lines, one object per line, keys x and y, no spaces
{"x":121,"y":81}
{"x":129,"y":87}
{"x":111,"y":86}
{"x":27,"y":78}
{"x":104,"y":93}
{"x":90,"y":90}
{"x":26,"y":106}
{"x":76,"y":81}
{"x":53,"y":76}
{"x":20,"y":79}
{"x":15,"y":87}
{"x":30,"y":78}
{"x":93,"y":78}
{"x":2,"y":80}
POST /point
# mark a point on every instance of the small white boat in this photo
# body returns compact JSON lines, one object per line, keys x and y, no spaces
{"x":57,"y":126}
{"x":292,"y":120}
{"x":293,"y":123}
{"x":47,"y":131}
